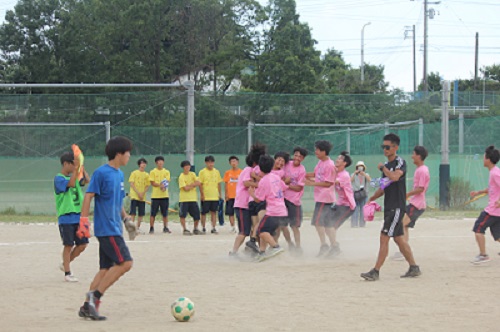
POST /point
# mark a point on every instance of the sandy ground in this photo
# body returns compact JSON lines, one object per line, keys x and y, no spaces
{"x":281,"y":294}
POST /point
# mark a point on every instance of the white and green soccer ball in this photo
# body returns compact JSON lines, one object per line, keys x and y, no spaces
{"x":183,"y":309}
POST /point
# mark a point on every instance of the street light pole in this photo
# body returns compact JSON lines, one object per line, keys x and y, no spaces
{"x":363,"y":51}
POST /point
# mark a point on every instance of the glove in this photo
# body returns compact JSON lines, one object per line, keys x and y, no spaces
{"x":83,"y":228}
{"x":130,"y":227}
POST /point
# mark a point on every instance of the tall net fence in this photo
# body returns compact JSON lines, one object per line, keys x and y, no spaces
{"x":224,"y":126}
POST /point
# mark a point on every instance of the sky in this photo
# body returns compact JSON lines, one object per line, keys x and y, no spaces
{"x":451,"y":37}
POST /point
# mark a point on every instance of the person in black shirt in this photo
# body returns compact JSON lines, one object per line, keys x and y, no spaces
{"x":394,"y":209}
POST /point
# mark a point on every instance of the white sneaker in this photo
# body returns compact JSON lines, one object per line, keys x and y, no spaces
{"x":70,"y":278}
{"x":480,"y":259}
{"x":233,"y":230}
{"x":398,"y":256}
{"x":130,"y":227}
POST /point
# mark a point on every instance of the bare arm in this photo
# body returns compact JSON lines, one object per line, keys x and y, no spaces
{"x":414,"y":192}
{"x":377,"y":194}
{"x":86,"y":204}
{"x":392,"y":175}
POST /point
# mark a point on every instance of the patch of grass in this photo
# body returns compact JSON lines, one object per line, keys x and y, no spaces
{"x":27,"y":218}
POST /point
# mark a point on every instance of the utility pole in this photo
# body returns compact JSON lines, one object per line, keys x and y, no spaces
{"x":428,"y":13}
{"x":363,"y":51}
{"x":407,"y":29}
{"x":476,"y":78}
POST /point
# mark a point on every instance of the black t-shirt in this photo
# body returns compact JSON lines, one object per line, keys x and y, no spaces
{"x":395,"y":193}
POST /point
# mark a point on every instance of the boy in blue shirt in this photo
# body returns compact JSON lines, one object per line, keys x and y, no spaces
{"x":107,"y":189}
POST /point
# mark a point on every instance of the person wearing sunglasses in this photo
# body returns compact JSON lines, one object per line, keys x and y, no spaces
{"x":394,"y":209}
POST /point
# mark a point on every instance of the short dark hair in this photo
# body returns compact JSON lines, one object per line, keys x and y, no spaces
{"x":254,"y":154}
{"x":302,"y":151}
{"x":116,"y":145}
{"x":323,"y":146}
{"x":185,"y":163}
{"x":233,"y":157}
{"x":393,"y":138}
{"x":421,"y":151}
{"x":282,"y":154}
{"x":142,"y":160}
{"x":209,"y":158}
{"x":266,"y":163}
{"x":347,"y":158}
{"x":159,"y":158}
{"x":492,"y":154}
{"x":67,"y":157}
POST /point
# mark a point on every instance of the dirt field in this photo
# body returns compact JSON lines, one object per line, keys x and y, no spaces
{"x":281,"y":294}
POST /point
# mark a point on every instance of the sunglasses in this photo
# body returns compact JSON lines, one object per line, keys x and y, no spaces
{"x":386,"y":147}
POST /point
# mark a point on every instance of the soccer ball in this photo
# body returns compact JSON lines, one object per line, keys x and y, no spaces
{"x":182,"y":309}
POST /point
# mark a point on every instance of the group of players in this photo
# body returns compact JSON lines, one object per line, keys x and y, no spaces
{"x":268,"y":193}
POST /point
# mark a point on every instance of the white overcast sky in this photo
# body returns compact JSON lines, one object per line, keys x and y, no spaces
{"x":337,"y":24}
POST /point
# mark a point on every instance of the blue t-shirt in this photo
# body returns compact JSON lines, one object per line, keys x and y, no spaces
{"x":107,"y":185}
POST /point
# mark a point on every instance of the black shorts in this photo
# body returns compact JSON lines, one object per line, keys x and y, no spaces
{"x":112,"y":251}
{"x":191,"y":208}
{"x":68,"y":235}
{"x":322,"y":213}
{"x":230,"y":207}
{"x":137,"y":205}
{"x":269,"y":224}
{"x":254,"y":207}
{"x":339,"y":214}
{"x":161,"y":204}
{"x":484,"y":221}
{"x":393,"y":222}
{"x":294,"y":214}
{"x":413,"y":213}
{"x":244,"y":221}
{"x":209,"y":206}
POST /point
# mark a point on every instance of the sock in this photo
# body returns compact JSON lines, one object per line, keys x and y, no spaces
{"x":67,"y":273}
{"x":97,"y":294}
{"x":276,"y":246}
{"x":252,"y":239}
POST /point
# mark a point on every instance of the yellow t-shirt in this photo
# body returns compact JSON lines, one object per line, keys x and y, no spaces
{"x":190,"y":195}
{"x":140,"y":181}
{"x":158,"y":176}
{"x":210,"y":181}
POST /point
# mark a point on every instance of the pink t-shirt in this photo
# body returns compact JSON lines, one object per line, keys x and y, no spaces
{"x":297,"y":177}
{"x":325,"y":171}
{"x":271,"y":189}
{"x":421,"y":178}
{"x":242,"y":195}
{"x":279,"y":172}
{"x":493,"y":192}
{"x":345,"y":195}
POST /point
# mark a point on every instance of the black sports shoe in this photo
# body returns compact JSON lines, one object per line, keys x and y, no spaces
{"x":372,"y":275}
{"x":252,"y":245}
{"x":413,"y":271}
{"x":166,"y":230}
{"x":214,"y":231}
{"x":151,"y":230}
{"x":84,"y":313}
{"x":323,"y":250}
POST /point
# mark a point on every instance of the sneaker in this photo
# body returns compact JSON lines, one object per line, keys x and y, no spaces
{"x":151,"y":230}
{"x":70,"y":278}
{"x":334,"y":251}
{"x":214,"y":231}
{"x":398,"y":256}
{"x":166,"y":230}
{"x":186,"y":232}
{"x":130,"y":227}
{"x":85,"y":313}
{"x":480,"y":259}
{"x":298,"y":252}
{"x":233,"y":230}
{"x":323,"y":250}
{"x":252,"y":245}
{"x":372,"y":275}
{"x":413,"y":271}
{"x":291,"y":247}
{"x":275,"y":251}
{"x":233,"y":254}
{"x":204,"y":230}
{"x":93,"y":306}
{"x":196,"y":232}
